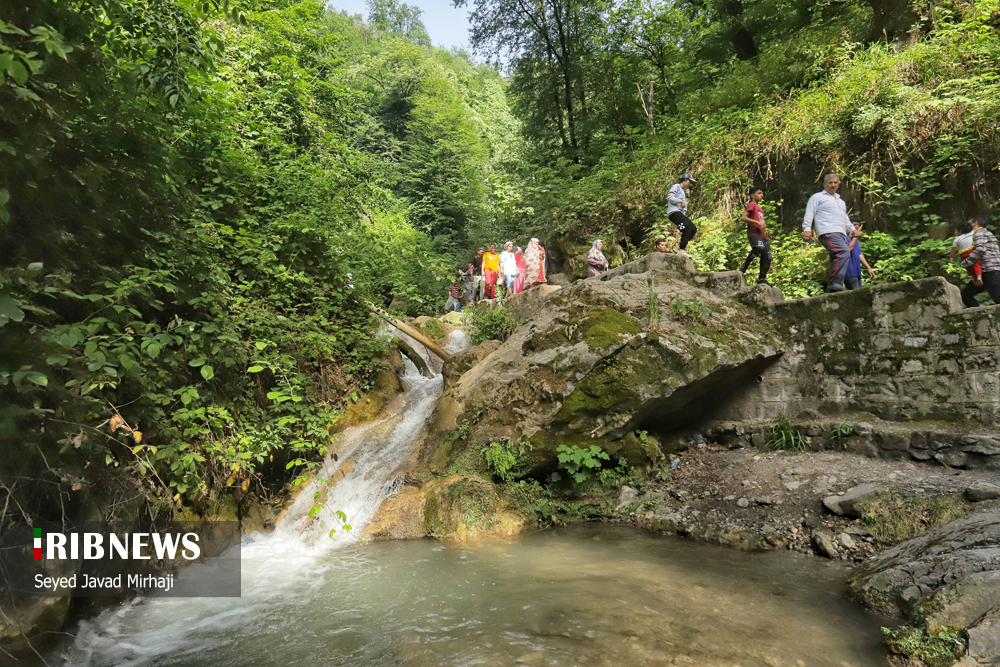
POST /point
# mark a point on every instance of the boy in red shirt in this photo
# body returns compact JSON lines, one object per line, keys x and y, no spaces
{"x":760,"y":245}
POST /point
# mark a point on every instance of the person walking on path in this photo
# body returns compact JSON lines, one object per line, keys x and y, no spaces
{"x":963,"y":245}
{"x":677,"y":206}
{"x":853,"y":278}
{"x":491,"y":269}
{"x":508,"y":265}
{"x":534,"y":260}
{"x":986,"y":251}
{"x":454,"y":296}
{"x":522,"y":270}
{"x":760,"y":244}
{"x":827,"y":212}
{"x":478,"y":279}
{"x":596,"y":262}
{"x":466,"y":275}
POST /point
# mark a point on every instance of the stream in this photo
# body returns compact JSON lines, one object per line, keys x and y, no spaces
{"x":585,"y":595}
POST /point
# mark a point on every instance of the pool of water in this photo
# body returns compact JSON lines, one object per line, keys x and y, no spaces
{"x":591,"y":594}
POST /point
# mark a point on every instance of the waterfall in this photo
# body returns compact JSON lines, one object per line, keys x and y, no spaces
{"x":277,"y":568}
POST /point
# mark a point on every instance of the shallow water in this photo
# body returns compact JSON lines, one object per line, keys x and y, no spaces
{"x":585,"y":595}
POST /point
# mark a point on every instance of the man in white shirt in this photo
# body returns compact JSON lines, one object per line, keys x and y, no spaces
{"x":677,"y":204}
{"x":827,"y":212}
{"x":508,"y":265}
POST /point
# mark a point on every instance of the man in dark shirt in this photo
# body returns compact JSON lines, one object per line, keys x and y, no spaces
{"x":760,"y":245}
{"x":478,"y":279}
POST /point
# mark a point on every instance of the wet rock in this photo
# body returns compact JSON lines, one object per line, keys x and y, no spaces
{"x":460,"y":363}
{"x":960,"y":559}
{"x":981,"y":491}
{"x":823,"y":541}
{"x":847,"y":504}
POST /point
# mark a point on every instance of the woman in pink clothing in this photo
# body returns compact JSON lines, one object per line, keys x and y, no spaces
{"x":522,"y":268}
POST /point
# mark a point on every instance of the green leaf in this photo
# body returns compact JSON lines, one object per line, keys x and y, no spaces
{"x":9,"y":309}
{"x":255,"y":369}
{"x":153,"y":350}
{"x":207,"y":372}
{"x":18,"y":71}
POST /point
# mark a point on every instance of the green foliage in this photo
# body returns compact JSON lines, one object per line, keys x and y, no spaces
{"x":460,"y":433}
{"x":504,"y":458}
{"x":615,"y":477}
{"x":579,"y":462}
{"x":180,"y":219}
{"x":841,"y":432}
{"x":694,"y":308}
{"x":941,"y":649}
{"x":653,"y":303}
{"x":782,"y":436}
{"x":489,"y":322}
{"x":892,"y":519}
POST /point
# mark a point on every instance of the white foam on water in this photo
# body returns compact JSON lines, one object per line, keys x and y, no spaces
{"x":277,"y":567}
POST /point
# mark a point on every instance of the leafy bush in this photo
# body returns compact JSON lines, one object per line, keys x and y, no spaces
{"x":579,"y":462}
{"x":504,"y":457}
{"x":489,"y":322}
{"x":782,"y":436}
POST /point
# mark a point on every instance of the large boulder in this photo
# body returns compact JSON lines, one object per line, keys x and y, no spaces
{"x":649,"y":346}
{"x":948,"y":578}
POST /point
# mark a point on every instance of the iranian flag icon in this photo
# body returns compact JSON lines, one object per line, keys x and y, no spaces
{"x":38,"y":543}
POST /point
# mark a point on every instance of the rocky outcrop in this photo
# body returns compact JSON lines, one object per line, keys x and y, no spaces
{"x":947,"y":578}
{"x":649,"y":346}
{"x":457,"y":507}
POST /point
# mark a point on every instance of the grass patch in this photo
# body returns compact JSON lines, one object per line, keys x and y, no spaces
{"x":936,"y":650}
{"x":783,"y":437}
{"x":892,"y":519}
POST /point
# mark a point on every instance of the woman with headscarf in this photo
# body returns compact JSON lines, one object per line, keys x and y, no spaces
{"x":522,"y":269}
{"x":596,"y":262}
{"x":534,"y":261}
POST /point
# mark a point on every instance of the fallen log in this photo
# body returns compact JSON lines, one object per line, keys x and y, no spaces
{"x":412,"y":332}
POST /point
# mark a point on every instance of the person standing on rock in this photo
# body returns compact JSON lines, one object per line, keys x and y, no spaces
{"x":853,"y":278}
{"x":827,"y":212}
{"x":465,"y":273}
{"x":491,"y":270}
{"x":760,"y":245}
{"x":963,"y":245}
{"x":508,"y":265}
{"x":534,"y":260}
{"x":596,"y":262}
{"x":986,"y":251}
{"x":677,"y":206}
{"x":478,"y":279}
{"x":454,"y":296}
{"x":522,"y":270}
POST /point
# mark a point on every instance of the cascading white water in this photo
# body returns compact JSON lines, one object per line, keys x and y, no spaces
{"x":276,"y":568}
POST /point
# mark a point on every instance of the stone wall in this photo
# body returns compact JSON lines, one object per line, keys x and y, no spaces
{"x":906,"y":359}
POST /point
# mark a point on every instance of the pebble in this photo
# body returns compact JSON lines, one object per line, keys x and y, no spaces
{"x":791,"y":486}
{"x":743,"y":502}
{"x":729,"y":499}
{"x":846,"y":541}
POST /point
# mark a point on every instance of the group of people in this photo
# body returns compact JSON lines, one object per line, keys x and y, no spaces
{"x":826,"y":221}
{"x":490,"y":274}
